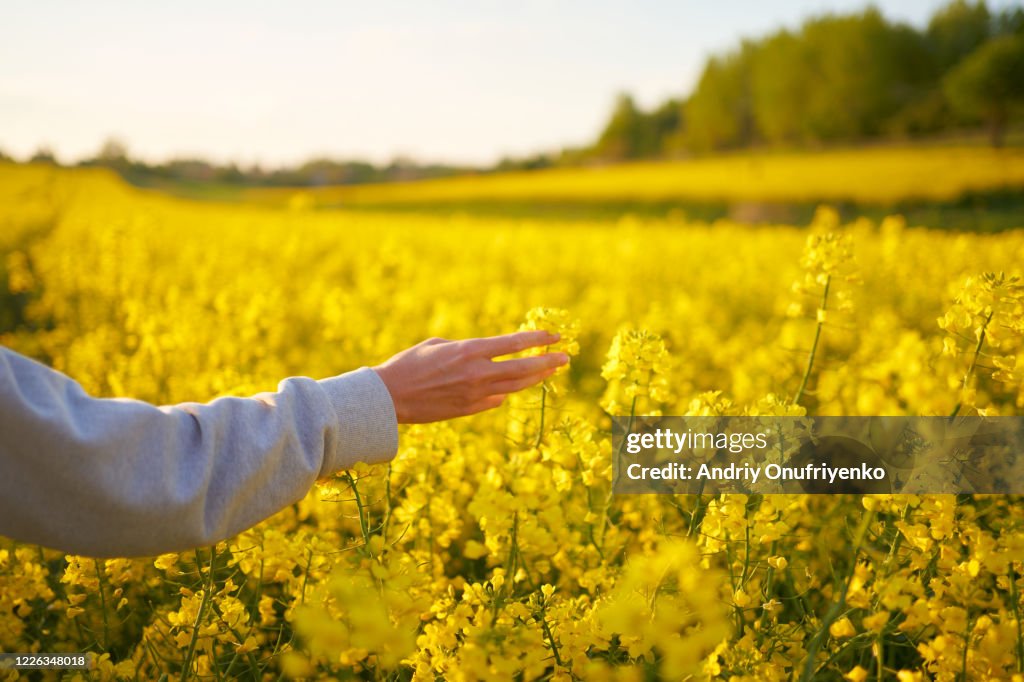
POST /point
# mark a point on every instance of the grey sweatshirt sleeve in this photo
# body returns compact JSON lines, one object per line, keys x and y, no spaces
{"x":119,"y":477}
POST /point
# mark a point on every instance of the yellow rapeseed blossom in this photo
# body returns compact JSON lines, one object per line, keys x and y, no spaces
{"x":492,"y":548}
{"x":636,"y":369}
{"x":557,"y":321}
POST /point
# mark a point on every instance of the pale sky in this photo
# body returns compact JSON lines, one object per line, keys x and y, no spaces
{"x":278,"y":82}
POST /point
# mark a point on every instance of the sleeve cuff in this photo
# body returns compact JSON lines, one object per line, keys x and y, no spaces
{"x":367,"y":425}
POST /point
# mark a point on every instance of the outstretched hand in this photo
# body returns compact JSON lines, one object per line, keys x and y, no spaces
{"x":439,"y":379}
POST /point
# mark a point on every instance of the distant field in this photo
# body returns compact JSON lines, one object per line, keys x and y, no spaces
{"x":876,"y":176}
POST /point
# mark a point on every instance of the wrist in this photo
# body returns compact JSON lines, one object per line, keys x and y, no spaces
{"x":390,"y":381}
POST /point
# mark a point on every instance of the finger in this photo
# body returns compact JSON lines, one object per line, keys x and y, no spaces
{"x":519,"y":383}
{"x":511,"y":369}
{"x":493,"y":346}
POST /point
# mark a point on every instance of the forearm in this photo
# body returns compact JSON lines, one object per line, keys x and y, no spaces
{"x":125,"y":478}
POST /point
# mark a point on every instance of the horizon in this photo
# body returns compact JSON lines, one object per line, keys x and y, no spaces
{"x":199,"y":82}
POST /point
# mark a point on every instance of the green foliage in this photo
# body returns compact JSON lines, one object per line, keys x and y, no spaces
{"x":864,"y":70}
{"x":837,"y":78}
{"x":779,"y":89}
{"x":989,"y":83}
{"x":957,"y":30}
{"x":624,"y":136}
{"x":632,"y":133}
{"x":718,"y":113}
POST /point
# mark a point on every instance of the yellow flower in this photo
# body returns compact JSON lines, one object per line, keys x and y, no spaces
{"x":557,"y":321}
{"x":842,"y":628}
{"x":637,"y":367}
{"x":474,"y":550}
{"x":876,"y":621}
{"x":857,"y":674}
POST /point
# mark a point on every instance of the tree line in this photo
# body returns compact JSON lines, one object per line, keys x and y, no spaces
{"x":837,"y":79}
{"x":114,"y":154}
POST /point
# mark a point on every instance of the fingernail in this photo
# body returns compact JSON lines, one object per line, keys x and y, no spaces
{"x":563,"y":358}
{"x":555,"y":335}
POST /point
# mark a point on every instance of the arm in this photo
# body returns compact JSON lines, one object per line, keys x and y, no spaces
{"x":120,"y":477}
{"x":117,"y":477}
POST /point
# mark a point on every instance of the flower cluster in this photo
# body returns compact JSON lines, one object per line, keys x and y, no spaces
{"x":558,"y":321}
{"x":637,"y":367}
{"x":986,"y":323}
{"x":828,"y":263}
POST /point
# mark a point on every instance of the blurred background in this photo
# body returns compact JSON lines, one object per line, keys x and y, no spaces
{"x":258,"y":93}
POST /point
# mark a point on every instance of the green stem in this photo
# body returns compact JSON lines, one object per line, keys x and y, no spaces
{"x":551,"y":641}
{"x":103,"y":603}
{"x":974,"y":363}
{"x":510,"y":569}
{"x":840,"y":603}
{"x":698,"y":512}
{"x":543,"y":403}
{"x":962,"y":677}
{"x":746,"y":545}
{"x":843,"y":648}
{"x":186,"y":666}
{"x":768,"y":587}
{"x":814,"y":346}
{"x":305,"y":577}
{"x":254,"y":614}
{"x":1016,"y":617}
{"x":879,"y":665}
{"x":390,"y":505}
{"x":737,"y":609}
{"x":622,"y":445}
{"x":363,"y":528}
{"x":513,"y":547}
{"x":617,"y":458}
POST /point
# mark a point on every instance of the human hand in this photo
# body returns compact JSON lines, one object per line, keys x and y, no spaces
{"x":438,"y":379}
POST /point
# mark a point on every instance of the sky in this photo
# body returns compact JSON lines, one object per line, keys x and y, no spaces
{"x":454,"y":81}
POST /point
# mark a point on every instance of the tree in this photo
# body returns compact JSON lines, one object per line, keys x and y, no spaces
{"x":1010,"y":20}
{"x":113,"y":151}
{"x":624,"y":135}
{"x":988,"y":84}
{"x":860,"y":70}
{"x":666,"y":123}
{"x":719,"y":113}
{"x":956,"y":30}
{"x":632,"y":133}
{"x":43,"y":155}
{"x":780,"y":87}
